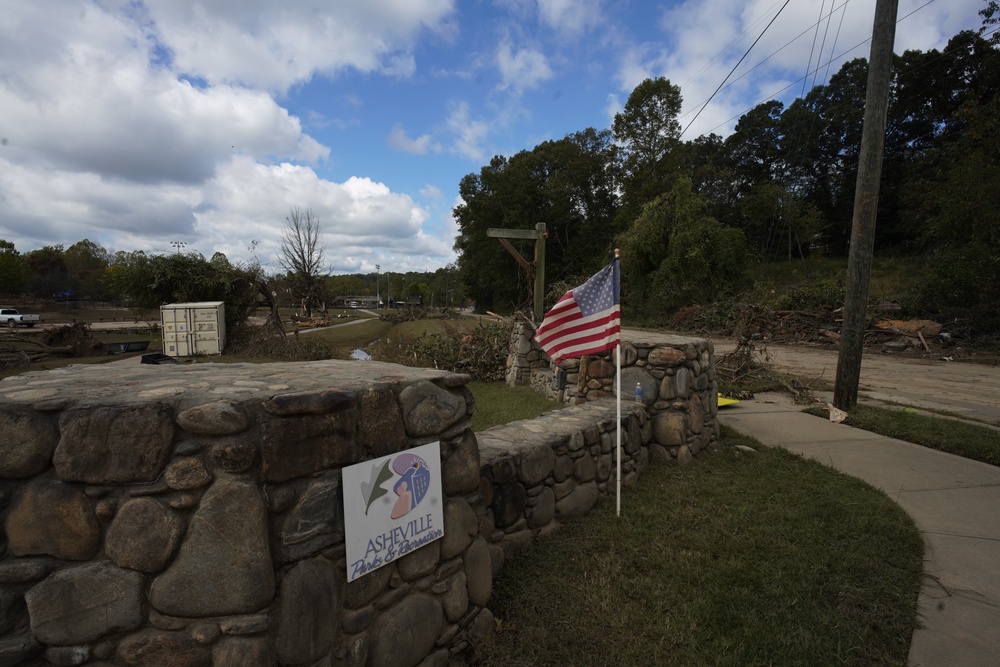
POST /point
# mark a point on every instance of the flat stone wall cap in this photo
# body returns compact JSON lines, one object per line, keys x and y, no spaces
{"x":652,"y":339}
{"x":186,"y":385}
{"x":453,"y":380}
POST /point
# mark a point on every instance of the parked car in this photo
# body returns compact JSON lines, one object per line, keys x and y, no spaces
{"x":12,"y":318}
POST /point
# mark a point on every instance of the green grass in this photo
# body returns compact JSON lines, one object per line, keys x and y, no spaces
{"x":352,"y":335}
{"x":738,"y":559}
{"x":496,"y":403}
{"x":948,"y":435}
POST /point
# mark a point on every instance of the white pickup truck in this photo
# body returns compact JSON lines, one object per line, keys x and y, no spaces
{"x":12,"y":318}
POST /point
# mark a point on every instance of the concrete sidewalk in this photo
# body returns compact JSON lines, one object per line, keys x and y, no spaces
{"x":955,"y":503}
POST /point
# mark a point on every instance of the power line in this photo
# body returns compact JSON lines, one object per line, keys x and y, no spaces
{"x":834,"y":58}
{"x":782,"y":48}
{"x":812,"y":49}
{"x":731,"y":44}
{"x":793,"y":83}
{"x":734,"y":68}
{"x":836,"y":38}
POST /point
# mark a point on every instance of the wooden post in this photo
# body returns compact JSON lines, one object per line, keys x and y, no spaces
{"x":540,"y":273}
{"x":859,"y":263}
{"x":536,"y":269}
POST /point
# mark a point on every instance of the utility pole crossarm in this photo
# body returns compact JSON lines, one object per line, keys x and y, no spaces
{"x":532,"y":234}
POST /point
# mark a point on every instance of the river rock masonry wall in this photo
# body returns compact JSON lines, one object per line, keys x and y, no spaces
{"x":192,"y":515}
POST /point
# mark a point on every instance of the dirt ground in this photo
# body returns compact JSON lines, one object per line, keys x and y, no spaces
{"x":961,"y":388}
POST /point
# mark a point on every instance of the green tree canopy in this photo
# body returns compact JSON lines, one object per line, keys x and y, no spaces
{"x":13,"y":269}
{"x":567,"y":184}
{"x":649,"y":131}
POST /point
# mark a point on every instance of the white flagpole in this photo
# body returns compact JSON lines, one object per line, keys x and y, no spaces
{"x":618,"y":381}
{"x":618,"y":484}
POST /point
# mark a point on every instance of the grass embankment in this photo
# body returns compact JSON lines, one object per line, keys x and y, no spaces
{"x":496,"y":403}
{"x":739,"y":559}
{"x":947,"y":435}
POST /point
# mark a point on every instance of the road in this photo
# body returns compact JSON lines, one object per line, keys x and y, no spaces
{"x":964,"y":389}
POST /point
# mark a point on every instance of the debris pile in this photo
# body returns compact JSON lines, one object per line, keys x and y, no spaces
{"x":73,"y":340}
{"x":310,"y":322}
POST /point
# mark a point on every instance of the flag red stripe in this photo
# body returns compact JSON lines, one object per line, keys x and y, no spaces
{"x":565,"y":332}
{"x":577,"y":348}
{"x":569,"y":329}
{"x":586,"y":338}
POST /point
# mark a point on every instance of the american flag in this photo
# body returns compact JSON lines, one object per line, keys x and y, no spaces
{"x":586,"y":320}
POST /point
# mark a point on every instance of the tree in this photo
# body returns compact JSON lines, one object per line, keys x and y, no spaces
{"x":676,"y":255}
{"x":13,"y":269}
{"x":567,"y":184}
{"x":145,"y":282}
{"x":649,"y":131}
{"x":46,"y":271}
{"x":302,"y":257}
{"x":86,"y":263}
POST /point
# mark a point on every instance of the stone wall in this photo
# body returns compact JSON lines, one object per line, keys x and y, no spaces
{"x":192,"y":515}
{"x":675,"y":375}
{"x":540,"y":473}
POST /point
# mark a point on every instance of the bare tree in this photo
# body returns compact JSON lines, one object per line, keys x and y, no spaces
{"x":302,"y":257}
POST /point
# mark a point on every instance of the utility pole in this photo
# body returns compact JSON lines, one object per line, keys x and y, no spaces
{"x":859,"y":262}
{"x":378,"y":299}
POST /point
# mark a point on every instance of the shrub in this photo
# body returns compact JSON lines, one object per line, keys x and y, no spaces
{"x":480,"y":350}
{"x":264,"y":342}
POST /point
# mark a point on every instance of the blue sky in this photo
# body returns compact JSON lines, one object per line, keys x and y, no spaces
{"x":137,"y":124}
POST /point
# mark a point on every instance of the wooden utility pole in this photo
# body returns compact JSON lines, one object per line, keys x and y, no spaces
{"x":859,"y":262}
{"x":536,"y":269}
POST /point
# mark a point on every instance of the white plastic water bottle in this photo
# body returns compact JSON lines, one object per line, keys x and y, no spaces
{"x":638,"y":392}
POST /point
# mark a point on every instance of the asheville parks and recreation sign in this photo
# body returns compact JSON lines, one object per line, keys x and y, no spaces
{"x":392,"y":506}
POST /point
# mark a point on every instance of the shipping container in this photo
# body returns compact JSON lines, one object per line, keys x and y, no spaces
{"x":191,"y":329}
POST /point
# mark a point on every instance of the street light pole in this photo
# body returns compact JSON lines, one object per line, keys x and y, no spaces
{"x":178,"y":245}
{"x":378,"y":300}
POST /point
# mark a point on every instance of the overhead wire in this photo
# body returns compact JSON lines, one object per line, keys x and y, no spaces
{"x":779,"y":50}
{"x":833,"y":59}
{"x":731,"y":44}
{"x":812,"y":49}
{"x":734,"y":68}
{"x":826,"y":76}
{"x":822,"y":46}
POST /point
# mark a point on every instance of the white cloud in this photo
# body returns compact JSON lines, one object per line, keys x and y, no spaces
{"x":470,"y":134}
{"x":274,"y":45}
{"x":570,"y":16}
{"x":613,"y":107}
{"x":250,"y":200}
{"x":399,"y":141}
{"x":431,"y":192}
{"x":523,"y":69}
{"x":91,"y":103}
{"x":106,"y":139}
{"x":702,"y":40}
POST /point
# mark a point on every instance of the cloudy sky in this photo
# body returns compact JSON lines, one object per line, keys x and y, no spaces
{"x":137,"y":124}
